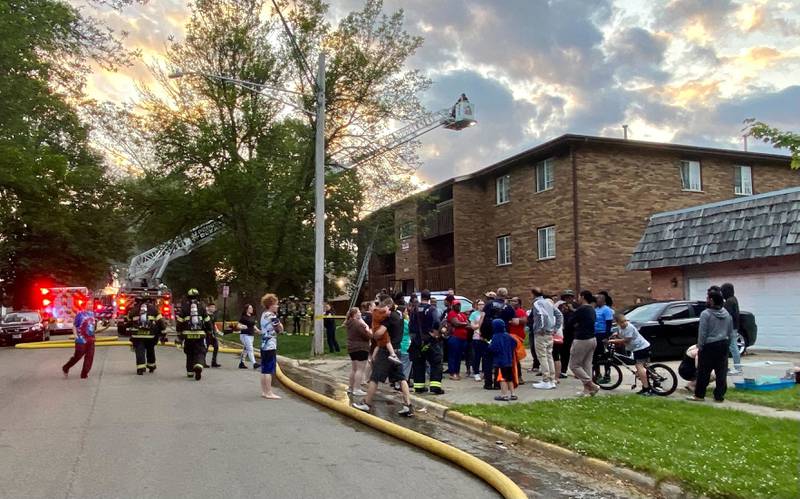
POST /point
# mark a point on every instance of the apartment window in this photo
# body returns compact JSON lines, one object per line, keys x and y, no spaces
{"x":690,"y":176}
{"x":504,"y":250}
{"x":406,"y":230}
{"x":547,"y":242}
{"x":743,"y":181}
{"x":544,"y":175}
{"x":503,"y":186}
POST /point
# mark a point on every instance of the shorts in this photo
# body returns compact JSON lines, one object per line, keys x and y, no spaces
{"x":383,"y":369}
{"x":557,"y":351}
{"x":642,"y":356}
{"x":269,"y":359}
{"x":507,"y":372}
{"x":361,"y":355}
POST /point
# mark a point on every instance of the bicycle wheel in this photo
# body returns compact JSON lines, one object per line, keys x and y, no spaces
{"x":614,"y":377}
{"x":662,"y":379}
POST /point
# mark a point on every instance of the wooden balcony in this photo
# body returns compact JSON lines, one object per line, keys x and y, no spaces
{"x":438,"y":221}
{"x":439,"y":278}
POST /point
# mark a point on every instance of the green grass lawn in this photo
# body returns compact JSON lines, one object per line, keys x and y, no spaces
{"x":298,"y":347}
{"x":717,"y":452}
{"x":788,"y":399}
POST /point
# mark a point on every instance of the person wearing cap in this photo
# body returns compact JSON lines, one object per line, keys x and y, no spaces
{"x":457,"y":342}
{"x":192,"y":325}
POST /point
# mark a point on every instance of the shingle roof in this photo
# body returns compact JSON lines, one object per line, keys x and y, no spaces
{"x":739,"y":229}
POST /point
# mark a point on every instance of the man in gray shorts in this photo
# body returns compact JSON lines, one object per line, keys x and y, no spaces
{"x":383,"y":368}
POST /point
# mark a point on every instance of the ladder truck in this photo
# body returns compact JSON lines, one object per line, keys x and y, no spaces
{"x":146,"y":269}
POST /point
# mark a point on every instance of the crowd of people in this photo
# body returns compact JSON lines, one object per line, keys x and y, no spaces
{"x":404,"y":340}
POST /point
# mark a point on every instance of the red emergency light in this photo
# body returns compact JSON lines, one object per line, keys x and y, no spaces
{"x":46,"y":302}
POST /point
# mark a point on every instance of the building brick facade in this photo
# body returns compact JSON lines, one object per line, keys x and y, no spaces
{"x":602,"y":194}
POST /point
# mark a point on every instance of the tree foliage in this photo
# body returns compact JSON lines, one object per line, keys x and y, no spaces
{"x":58,"y":211}
{"x":217,"y":149}
{"x":778,"y":138}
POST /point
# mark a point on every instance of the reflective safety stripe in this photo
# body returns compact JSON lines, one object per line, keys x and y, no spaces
{"x":419,"y":385}
{"x":140,"y":366}
{"x":181,"y":319}
{"x":194,"y":336}
{"x":151,"y":365}
{"x":151,"y":317}
{"x":436,"y":384}
{"x":189,"y":375}
{"x":159,"y":317}
{"x":199,"y":365}
{"x":143,"y":336}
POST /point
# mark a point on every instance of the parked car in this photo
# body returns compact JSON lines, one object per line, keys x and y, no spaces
{"x":671,"y":326}
{"x":466,"y":303}
{"x":22,"y":327}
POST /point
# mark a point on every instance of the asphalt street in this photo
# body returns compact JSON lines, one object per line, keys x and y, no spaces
{"x":163,"y":435}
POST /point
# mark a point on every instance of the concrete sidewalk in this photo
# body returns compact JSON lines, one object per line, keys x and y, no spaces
{"x":468,"y":391}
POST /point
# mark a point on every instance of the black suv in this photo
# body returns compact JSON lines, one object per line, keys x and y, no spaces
{"x":671,"y":326}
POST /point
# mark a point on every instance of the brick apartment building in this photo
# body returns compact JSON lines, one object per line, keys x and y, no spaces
{"x":565,"y":214}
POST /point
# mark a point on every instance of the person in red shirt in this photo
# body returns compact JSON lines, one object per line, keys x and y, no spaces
{"x":457,"y":342}
{"x":516,"y":328}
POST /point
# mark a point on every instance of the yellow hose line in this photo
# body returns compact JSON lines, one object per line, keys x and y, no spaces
{"x":491,"y":475}
{"x":53,"y":344}
{"x":97,"y":339}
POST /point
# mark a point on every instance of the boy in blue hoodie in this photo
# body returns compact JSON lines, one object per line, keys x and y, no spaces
{"x":502,"y":347}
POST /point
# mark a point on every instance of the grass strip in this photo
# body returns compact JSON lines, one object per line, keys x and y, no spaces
{"x":788,"y":399}
{"x":713,"y":451}
{"x":296,"y":346}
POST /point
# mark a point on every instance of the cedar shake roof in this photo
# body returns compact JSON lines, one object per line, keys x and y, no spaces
{"x":738,"y":229}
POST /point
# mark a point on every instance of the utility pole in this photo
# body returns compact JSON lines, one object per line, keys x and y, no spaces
{"x":319,"y":211}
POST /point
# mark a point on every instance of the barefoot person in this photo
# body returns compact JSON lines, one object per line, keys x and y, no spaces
{"x":270,"y":327}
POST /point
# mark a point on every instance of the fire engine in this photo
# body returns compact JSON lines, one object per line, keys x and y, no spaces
{"x":126,"y":299}
{"x":59,"y":305}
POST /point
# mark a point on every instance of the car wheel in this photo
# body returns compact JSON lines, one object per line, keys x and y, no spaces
{"x":741,"y":343}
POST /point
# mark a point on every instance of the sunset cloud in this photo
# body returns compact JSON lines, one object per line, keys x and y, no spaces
{"x":673,"y":70}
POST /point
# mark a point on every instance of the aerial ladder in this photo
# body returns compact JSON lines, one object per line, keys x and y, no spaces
{"x":146,"y":269}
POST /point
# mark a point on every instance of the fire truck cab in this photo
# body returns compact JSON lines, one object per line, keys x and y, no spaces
{"x":60,"y":305}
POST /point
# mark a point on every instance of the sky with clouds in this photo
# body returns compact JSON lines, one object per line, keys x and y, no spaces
{"x":685,"y":71}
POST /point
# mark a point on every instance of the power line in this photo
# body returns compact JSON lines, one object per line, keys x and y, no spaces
{"x":304,"y":67}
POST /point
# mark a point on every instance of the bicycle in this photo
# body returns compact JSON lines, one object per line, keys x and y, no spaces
{"x":662,"y":378}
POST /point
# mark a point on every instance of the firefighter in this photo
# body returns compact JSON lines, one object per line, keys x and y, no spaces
{"x":193,"y":324}
{"x":425,"y":350}
{"x":146,"y":326}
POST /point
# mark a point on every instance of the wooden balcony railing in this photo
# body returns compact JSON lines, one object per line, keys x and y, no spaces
{"x":439,"y":221}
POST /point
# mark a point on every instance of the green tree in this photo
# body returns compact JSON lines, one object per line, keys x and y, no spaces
{"x":778,"y":138}
{"x":217,"y":149}
{"x":59,"y":212}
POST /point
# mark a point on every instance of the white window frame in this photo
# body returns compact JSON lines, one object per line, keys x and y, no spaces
{"x":502,"y":189}
{"x":691,"y":175}
{"x":504,"y":254}
{"x":546,"y":237}
{"x":546,"y":167}
{"x":740,"y":188}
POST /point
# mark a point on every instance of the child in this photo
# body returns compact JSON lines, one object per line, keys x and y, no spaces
{"x":270,"y":327}
{"x":502,"y":346}
{"x":634,"y":342}
{"x":379,"y":315}
{"x":84,"y":344}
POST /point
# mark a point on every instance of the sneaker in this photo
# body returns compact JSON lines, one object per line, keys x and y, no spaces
{"x":242,"y":366}
{"x":477,"y":377}
{"x":406,"y":411}
{"x":646,"y":392}
{"x":603,"y":381}
{"x":563,"y":376}
{"x":735,"y":372}
{"x":692,"y":398}
{"x":501,"y":398}
{"x":513,"y":397}
{"x":394,"y":359}
{"x":543,"y":385}
{"x":198,"y":372}
{"x":358,"y":392}
{"x":361,"y":406}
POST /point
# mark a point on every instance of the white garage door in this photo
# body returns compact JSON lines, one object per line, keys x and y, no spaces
{"x":774,"y":299}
